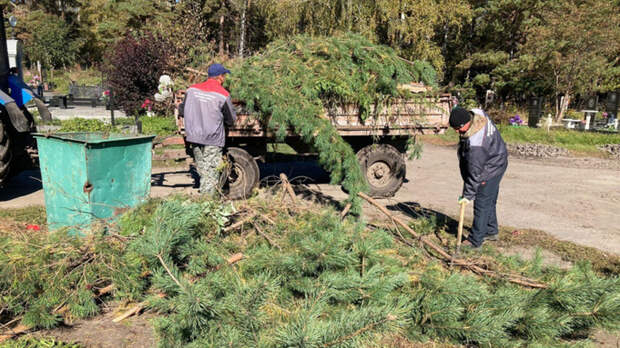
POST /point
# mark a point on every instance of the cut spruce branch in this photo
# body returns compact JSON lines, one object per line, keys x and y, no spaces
{"x":140,"y":306}
{"x":328,"y":281}
{"x":447,"y":257}
{"x":269,"y":240}
{"x":291,"y":84}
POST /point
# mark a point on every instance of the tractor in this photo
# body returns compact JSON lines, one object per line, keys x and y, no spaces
{"x":16,"y":143}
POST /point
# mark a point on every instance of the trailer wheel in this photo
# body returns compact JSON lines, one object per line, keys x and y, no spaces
{"x":5,"y":153}
{"x":242,"y":174}
{"x":384,"y":169}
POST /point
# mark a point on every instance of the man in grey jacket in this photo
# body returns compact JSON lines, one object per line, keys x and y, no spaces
{"x":483,"y":160}
{"x":206,"y":108}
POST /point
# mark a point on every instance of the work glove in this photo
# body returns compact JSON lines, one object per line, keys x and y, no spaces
{"x":463,"y":200}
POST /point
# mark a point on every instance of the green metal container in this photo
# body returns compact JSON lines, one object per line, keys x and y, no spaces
{"x":92,"y":176}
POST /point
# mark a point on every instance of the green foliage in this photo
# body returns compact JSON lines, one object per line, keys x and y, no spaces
{"x":103,"y":23}
{"x":162,"y":126}
{"x":305,"y":280}
{"x":572,"y":140}
{"x":576,"y":53}
{"x":44,"y":273}
{"x":48,"y":39}
{"x":569,"y":139}
{"x":292,"y":82}
{"x":62,"y":79}
{"x":134,"y":67}
{"x":30,"y":215}
{"x":84,"y":125}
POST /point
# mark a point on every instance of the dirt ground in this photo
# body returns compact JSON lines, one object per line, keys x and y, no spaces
{"x":573,"y":199}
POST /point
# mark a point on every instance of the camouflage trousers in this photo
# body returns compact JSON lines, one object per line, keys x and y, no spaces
{"x":208,"y":161}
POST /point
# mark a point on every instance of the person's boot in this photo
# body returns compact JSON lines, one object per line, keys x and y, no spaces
{"x":492,"y":237}
{"x":468,"y":245}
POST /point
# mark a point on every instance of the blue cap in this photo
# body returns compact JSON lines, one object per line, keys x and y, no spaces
{"x":217,"y":70}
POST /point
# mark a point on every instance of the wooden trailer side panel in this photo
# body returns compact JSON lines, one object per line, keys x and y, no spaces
{"x":403,"y":117}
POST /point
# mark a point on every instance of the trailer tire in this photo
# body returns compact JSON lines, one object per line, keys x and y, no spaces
{"x":5,"y":153}
{"x":242,"y":174}
{"x":383,"y":168}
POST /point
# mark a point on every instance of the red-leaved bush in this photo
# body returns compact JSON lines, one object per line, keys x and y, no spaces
{"x":135,"y":65}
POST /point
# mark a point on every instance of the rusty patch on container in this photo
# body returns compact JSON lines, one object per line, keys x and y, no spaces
{"x":88,"y":187}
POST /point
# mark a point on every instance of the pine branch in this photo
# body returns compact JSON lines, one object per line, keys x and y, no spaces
{"x":389,"y":317}
{"x":271,"y":242}
{"x":447,"y":257}
{"x":169,"y":273}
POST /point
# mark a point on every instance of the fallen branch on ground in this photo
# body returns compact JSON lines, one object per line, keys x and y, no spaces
{"x":447,"y":257}
{"x":288,"y":188}
{"x":240,"y":223}
{"x":345,"y":211}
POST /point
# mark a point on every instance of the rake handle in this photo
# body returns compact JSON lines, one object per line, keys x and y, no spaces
{"x":460,"y":230}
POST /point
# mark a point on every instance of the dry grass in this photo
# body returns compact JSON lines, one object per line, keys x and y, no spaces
{"x":602,"y":262}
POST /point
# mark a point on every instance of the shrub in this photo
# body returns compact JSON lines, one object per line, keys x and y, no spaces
{"x":84,"y":125}
{"x":162,"y":126}
{"x":135,"y":66}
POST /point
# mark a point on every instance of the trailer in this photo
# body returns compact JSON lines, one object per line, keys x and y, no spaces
{"x":380,"y":141}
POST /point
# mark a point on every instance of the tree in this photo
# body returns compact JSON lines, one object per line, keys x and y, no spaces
{"x":103,"y":23}
{"x":578,"y":44}
{"x":487,"y":54}
{"x":408,"y":26}
{"x":47,"y":38}
{"x":135,"y":65}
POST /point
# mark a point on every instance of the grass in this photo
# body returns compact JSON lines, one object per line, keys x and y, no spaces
{"x":160,"y":126}
{"x":281,"y":148}
{"x":34,"y":214}
{"x":601,"y":261}
{"x":575,"y":141}
{"x":62,"y":79}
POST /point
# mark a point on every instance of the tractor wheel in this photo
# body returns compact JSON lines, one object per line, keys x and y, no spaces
{"x":243,"y":174}
{"x":384,"y":169}
{"x":5,"y":153}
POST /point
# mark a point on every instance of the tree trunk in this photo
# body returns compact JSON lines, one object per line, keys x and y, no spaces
{"x":221,"y":35}
{"x":564,"y":106}
{"x":349,"y":14}
{"x":246,"y":4}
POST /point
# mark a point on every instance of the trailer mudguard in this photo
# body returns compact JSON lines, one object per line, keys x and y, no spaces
{"x":17,"y":117}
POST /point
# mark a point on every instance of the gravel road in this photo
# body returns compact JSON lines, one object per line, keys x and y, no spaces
{"x":574,"y":199}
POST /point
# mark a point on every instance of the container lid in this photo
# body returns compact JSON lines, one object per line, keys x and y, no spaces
{"x":93,"y":137}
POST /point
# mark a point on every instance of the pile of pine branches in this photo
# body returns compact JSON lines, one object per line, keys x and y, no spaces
{"x":271,"y":274}
{"x":289,"y":85}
